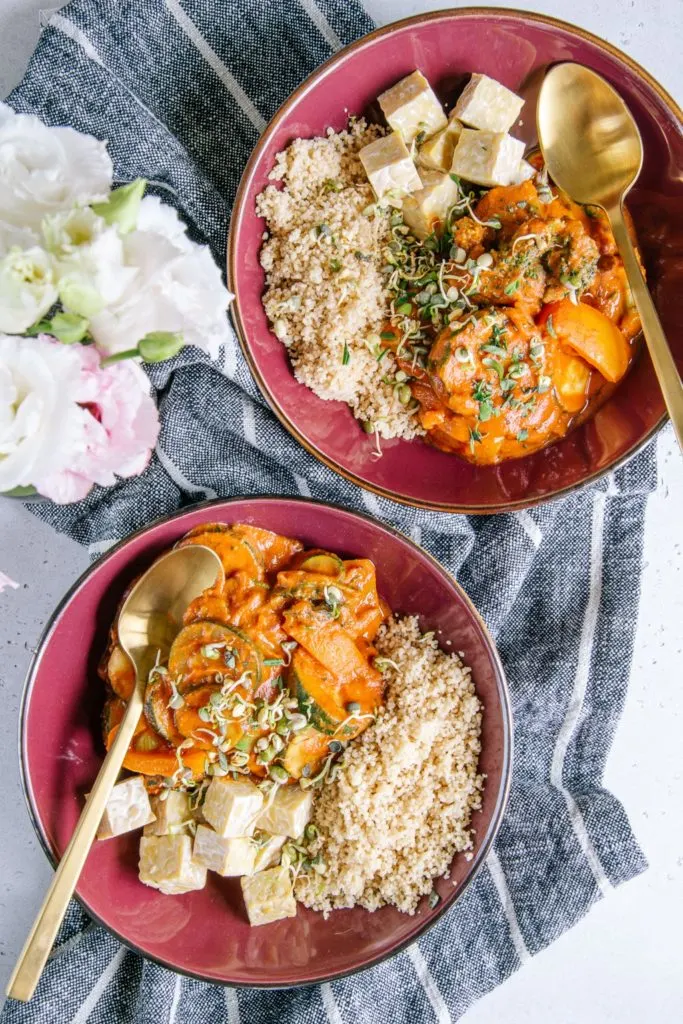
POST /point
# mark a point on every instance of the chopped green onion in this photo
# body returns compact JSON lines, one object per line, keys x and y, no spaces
{"x":346,"y":355}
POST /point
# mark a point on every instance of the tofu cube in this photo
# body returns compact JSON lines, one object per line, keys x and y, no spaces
{"x":437,"y":152}
{"x":128,"y":808}
{"x":411,"y":107}
{"x":524,"y":172}
{"x":173,"y":814}
{"x":229,"y":857}
{"x":389,"y":168}
{"x":486,"y":104}
{"x":167,"y":864}
{"x":269,"y":896}
{"x":288,"y":813}
{"x":487,"y":158}
{"x":268,"y":849}
{"x":426,"y":211}
{"x":231,"y":807}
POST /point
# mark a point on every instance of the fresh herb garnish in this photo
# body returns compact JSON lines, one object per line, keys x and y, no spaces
{"x":522,"y":435}
{"x":475,"y":438}
{"x":346,"y":355}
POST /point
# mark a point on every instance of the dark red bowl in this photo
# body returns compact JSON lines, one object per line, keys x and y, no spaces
{"x":206,"y":934}
{"x":516,"y":48}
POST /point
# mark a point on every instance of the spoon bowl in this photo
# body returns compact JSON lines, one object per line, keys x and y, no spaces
{"x":152,"y":613}
{"x":593,"y":151}
{"x":588,"y":136}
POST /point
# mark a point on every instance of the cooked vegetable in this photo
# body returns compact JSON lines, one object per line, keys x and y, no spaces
{"x":234,"y":552}
{"x":571,"y":377}
{"x":274,"y":549}
{"x":272,"y":691}
{"x":592,"y":335}
{"x":316,"y":630}
{"x":322,"y":562}
{"x":306,"y":752}
{"x":158,"y":697}
{"x":318,"y":692}
{"x":205,"y":650}
{"x":120,"y":673}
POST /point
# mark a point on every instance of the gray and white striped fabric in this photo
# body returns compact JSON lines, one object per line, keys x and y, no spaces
{"x":181,"y":89}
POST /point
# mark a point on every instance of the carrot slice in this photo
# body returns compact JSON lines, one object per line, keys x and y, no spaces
{"x":234,"y":552}
{"x":589,"y":333}
{"x":325,"y":639}
{"x":273,"y":548}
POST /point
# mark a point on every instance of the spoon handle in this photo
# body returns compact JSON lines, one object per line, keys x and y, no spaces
{"x":660,"y":353}
{"x":31,"y":962}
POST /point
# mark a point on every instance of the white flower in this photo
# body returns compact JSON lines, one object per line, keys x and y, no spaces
{"x":87,"y":259}
{"x":27,"y":288}
{"x":39,"y":419}
{"x":44,"y":170}
{"x":178,"y":287}
{"x":67,"y":422}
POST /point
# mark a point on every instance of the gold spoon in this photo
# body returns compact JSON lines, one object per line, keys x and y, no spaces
{"x":148,"y":622}
{"x":593,"y":151}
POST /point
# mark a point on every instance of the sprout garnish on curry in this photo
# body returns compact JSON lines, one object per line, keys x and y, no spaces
{"x":272,"y":675}
{"x":507,"y":314}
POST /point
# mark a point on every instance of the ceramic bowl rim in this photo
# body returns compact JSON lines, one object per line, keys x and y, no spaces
{"x":501,"y":687}
{"x":239,"y":212}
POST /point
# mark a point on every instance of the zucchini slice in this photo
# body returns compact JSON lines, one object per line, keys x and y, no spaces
{"x":317,"y":691}
{"x":235,"y":553}
{"x":112,"y":713}
{"x":204,"y":649}
{"x":157,"y":712}
{"x":323,"y":562}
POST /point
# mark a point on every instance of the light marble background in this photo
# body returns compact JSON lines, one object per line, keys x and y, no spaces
{"x":623,"y":964}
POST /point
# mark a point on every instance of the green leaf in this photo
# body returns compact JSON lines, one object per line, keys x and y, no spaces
{"x":123,"y":206}
{"x":157,"y":346}
{"x":20,"y":492}
{"x":68,"y":327}
{"x":41,"y":327}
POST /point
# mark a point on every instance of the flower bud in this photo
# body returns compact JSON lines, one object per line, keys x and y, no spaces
{"x":159,"y":345}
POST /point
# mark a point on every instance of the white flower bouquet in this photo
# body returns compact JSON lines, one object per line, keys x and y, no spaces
{"x":94,"y":280}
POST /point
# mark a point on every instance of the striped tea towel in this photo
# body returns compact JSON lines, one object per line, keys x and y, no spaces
{"x":181,"y":89}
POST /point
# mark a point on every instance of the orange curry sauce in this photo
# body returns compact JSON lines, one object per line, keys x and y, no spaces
{"x":271,"y":674}
{"x":543,"y":329}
